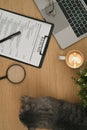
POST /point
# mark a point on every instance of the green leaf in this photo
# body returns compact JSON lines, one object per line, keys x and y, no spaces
{"x":81,"y":81}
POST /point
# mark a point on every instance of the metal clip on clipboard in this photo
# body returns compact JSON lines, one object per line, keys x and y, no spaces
{"x":43,"y":47}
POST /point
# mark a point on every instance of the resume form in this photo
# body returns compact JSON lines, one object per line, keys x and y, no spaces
{"x":28,"y":47}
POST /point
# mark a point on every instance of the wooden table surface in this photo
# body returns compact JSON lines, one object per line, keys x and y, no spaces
{"x":53,"y":79}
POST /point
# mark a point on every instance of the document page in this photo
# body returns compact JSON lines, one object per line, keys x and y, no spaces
{"x":27,"y":46}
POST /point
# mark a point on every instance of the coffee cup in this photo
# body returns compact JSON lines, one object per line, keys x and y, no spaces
{"x":74,"y":59}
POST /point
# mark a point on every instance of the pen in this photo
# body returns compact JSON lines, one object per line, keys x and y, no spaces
{"x":10,"y":36}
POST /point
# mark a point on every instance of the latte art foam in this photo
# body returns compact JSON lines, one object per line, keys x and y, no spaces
{"x":74,"y":59}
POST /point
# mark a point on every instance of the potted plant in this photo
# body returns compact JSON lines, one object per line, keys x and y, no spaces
{"x":81,"y":81}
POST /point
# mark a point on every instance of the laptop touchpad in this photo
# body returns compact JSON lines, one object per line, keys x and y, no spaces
{"x":58,"y":20}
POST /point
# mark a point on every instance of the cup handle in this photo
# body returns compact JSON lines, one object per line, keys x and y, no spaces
{"x":61,"y":57}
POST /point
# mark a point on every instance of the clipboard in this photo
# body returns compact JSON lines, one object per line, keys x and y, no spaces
{"x":31,"y":46}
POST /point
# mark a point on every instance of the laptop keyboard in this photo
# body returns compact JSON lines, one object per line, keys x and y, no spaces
{"x":76,"y":15}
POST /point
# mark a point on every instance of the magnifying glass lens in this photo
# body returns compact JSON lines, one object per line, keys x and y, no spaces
{"x":16,"y":73}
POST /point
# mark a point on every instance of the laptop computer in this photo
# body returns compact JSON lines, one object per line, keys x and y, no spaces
{"x":69,"y":18}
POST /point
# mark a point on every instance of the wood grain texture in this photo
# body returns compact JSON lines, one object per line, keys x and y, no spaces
{"x":53,"y":79}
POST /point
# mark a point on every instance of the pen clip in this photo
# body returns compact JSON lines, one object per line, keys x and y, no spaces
{"x":44,"y":41}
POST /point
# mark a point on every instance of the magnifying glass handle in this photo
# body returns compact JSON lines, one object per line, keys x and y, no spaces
{"x":2,"y":77}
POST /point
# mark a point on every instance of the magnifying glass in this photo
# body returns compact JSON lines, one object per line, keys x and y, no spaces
{"x":15,"y":74}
